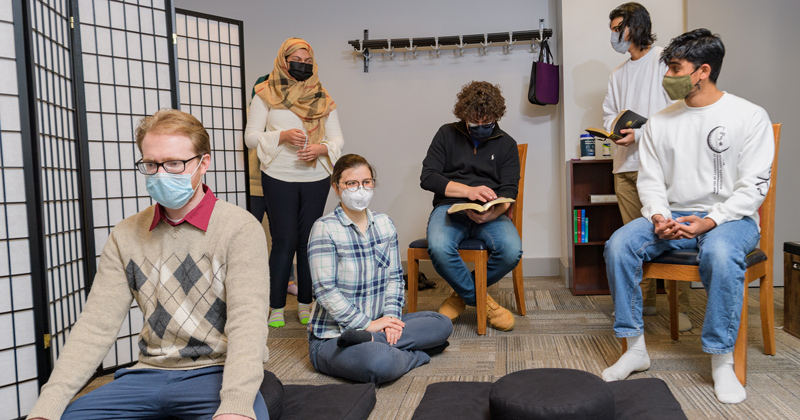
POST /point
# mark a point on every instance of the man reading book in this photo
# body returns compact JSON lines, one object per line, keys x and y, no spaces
{"x":706,"y":166}
{"x":636,"y":85}
{"x":473,"y":160}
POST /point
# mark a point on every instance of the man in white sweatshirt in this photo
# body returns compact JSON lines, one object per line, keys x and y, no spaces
{"x":636,"y":85}
{"x":705,"y":169}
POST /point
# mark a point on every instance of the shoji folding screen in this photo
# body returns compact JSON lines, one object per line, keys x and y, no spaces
{"x":211,"y":68}
{"x":127,"y":60}
{"x":76,"y":76}
{"x":18,"y":376}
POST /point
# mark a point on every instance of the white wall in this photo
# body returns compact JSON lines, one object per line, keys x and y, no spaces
{"x":390,"y":114}
{"x":760,"y":65}
{"x":588,"y":60}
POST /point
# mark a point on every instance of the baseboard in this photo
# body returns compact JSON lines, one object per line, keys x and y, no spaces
{"x":531,"y":267}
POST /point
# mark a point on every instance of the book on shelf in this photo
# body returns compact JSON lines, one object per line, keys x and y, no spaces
{"x":585,"y":227}
{"x":575,"y":217}
{"x":455,"y":208}
{"x":626,"y":119}
{"x":580,"y":226}
{"x":602,"y":198}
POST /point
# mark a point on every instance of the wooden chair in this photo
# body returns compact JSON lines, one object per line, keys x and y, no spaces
{"x":682,"y":265}
{"x":474,"y":250}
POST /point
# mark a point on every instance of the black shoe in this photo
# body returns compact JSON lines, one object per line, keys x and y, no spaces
{"x":422,"y":282}
{"x":353,"y":337}
{"x":437,"y":349}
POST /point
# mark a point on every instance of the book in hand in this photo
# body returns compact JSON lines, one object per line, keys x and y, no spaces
{"x":455,"y":208}
{"x":626,"y":119}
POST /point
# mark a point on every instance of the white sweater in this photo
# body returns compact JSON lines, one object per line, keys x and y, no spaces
{"x":714,"y":159}
{"x":635,"y":85}
{"x":279,"y":161}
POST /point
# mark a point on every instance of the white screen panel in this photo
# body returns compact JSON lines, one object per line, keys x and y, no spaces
{"x":211,"y":90}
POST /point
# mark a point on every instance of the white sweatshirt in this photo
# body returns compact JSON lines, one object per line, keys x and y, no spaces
{"x":715,"y":159}
{"x":635,"y":85}
{"x":279,"y":161}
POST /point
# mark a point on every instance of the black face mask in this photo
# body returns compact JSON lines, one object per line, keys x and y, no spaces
{"x":481,"y":132}
{"x":300,"y":71}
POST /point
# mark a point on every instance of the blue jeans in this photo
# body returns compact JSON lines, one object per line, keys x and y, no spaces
{"x":722,"y":265}
{"x":157,"y":394}
{"x":445,"y":232}
{"x":377,"y":361}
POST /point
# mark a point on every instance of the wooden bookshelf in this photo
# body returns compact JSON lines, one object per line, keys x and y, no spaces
{"x":587,"y":267}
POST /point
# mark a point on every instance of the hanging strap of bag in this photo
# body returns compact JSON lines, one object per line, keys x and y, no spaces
{"x":545,"y":57}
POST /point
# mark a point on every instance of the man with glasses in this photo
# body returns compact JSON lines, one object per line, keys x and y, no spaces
{"x":473,"y":160}
{"x":195,"y":266}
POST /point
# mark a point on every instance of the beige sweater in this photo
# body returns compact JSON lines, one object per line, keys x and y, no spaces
{"x":208,"y":287}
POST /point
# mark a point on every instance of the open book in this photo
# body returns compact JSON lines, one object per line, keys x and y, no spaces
{"x":455,"y":208}
{"x":626,"y":119}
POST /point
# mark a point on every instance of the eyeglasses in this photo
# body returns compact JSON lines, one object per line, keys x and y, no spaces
{"x":352,"y":186}
{"x":170,"y":166}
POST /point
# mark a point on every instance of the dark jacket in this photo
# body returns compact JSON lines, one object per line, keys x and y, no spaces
{"x":452,"y":156}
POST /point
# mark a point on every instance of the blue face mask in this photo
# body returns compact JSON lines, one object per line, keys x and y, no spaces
{"x":480,"y":132}
{"x":172,"y":191}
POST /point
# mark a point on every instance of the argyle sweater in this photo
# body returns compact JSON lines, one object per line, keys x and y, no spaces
{"x":203,"y":296}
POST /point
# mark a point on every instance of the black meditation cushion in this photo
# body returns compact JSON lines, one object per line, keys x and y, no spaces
{"x":272,"y":391}
{"x":551,"y":394}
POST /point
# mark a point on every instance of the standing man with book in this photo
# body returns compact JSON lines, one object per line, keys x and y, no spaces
{"x":636,"y":85}
{"x":473,"y":160}
{"x":706,"y":169}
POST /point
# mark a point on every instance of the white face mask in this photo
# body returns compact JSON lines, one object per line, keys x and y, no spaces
{"x":357,"y":200}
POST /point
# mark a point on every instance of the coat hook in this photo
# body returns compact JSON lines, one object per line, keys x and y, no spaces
{"x":390,"y":49}
{"x":360,"y":46}
{"x":436,"y":48}
{"x":541,"y":30}
{"x":485,"y":44}
{"x":510,"y":41}
{"x":411,"y":47}
{"x":460,"y":46}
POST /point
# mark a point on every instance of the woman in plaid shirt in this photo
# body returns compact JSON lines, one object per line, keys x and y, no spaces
{"x":358,"y":330}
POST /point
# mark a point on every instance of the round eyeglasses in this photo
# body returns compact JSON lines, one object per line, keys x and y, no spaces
{"x":352,"y":186}
{"x":170,"y":166}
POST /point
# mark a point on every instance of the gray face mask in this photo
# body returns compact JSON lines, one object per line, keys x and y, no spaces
{"x":620,"y":46}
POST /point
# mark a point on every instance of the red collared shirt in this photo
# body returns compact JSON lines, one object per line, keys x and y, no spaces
{"x":198,"y":217}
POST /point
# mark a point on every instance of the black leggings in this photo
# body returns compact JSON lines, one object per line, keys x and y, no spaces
{"x":292,"y":208}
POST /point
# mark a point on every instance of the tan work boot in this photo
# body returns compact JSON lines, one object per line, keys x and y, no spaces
{"x":453,"y":306}
{"x":499,"y":317}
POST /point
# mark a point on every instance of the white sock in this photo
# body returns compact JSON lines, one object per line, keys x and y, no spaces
{"x":726,"y":385}
{"x":684,"y":323}
{"x":635,"y":359}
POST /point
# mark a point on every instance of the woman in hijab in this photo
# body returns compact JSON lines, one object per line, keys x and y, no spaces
{"x":294,"y":126}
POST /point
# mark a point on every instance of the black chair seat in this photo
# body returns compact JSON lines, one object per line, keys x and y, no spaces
{"x":689,"y":257}
{"x":465,"y":245}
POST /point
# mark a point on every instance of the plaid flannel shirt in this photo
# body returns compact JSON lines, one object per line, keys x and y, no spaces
{"x":357,"y":277}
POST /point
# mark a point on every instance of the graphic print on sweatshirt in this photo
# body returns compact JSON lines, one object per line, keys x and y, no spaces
{"x":718,"y":144}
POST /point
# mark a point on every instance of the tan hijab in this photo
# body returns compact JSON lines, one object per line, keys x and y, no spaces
{"x":308,"y":99}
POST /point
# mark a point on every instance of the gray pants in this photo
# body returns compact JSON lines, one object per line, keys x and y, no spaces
{"x":377,"y":361}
